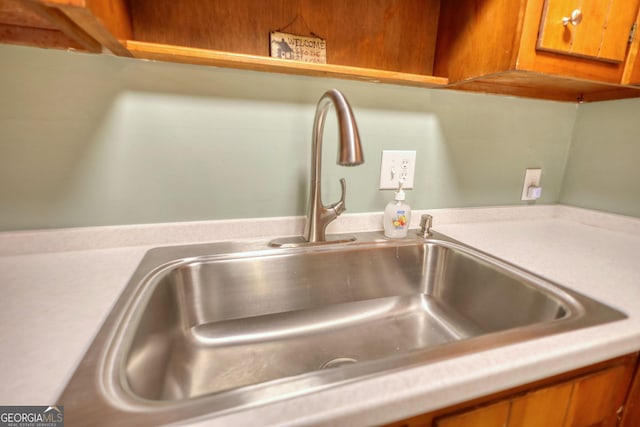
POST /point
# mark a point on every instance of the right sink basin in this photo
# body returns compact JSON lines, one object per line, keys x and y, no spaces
{"x":213,"y":328}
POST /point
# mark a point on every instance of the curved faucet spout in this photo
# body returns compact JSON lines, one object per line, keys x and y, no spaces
{"x":349,"y":154}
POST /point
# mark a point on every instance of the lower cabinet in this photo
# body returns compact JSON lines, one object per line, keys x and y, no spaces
{"x":490,"y":416}
{"x":601,"y":395}
{"x":631,"y":413}
{"x":599,"y":399}
{"x":544,"y":407}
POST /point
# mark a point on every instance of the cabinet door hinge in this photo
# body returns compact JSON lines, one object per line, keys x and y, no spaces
{"x":632,"y":33}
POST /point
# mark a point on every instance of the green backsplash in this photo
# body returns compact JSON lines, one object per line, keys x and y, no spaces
{"x":603,"y":171}
{"x":95,"y":140}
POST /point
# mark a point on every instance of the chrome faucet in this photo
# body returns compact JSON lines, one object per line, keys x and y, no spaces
{"x":349,"y":154}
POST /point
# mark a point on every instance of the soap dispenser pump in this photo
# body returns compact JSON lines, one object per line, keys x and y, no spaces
{"x":397,"y":216}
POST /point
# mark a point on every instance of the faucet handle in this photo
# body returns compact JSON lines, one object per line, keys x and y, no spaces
{"x":340,"y":206}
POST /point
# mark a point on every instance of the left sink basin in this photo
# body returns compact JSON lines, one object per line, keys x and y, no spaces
{"x":211,"y":328}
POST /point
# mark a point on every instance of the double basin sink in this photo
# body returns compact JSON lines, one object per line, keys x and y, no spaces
{"x":206,"y":329}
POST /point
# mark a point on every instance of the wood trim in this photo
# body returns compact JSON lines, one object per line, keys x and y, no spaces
{"x":163,"y":52}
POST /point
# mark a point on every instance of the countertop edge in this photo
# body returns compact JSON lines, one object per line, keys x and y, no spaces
{"x":117,"y":236}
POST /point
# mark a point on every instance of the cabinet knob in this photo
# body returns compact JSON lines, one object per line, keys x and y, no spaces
{"x":574,"y":19}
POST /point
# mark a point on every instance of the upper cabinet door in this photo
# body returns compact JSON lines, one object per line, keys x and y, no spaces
{"x":597,"y":29}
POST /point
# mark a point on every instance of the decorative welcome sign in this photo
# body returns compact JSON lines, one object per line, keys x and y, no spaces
{"x":298,"y":48}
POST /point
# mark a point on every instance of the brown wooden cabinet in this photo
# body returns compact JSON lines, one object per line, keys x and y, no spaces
{"x":516,"y":47}
{"x":107,"y":21}
{"x":593,"y":396}
{"x":631,"y":413}
{"x":494,"y":415}
{"x":34,"y":24}
{"x":631,"y":75}
{"x":522,"y":48}
{"x":376,"y":40}
{"x":543,"y":407}
{"x":590,"y":400}
{"x":597,"y":30}
{"x":598,"y":398}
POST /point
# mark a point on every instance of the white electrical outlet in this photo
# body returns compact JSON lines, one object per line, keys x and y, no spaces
{"x":531,"y":189}
{"x":396,"y":165}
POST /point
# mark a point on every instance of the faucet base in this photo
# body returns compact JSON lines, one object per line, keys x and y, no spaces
{"x":297,"y":241}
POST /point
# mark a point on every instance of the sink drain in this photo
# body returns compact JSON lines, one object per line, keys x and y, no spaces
{"x":340,"y":361}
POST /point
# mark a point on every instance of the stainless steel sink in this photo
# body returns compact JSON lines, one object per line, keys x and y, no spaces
{"x":210,"y":328}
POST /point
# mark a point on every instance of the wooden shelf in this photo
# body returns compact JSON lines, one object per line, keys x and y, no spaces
{"x":487,"y":46}
{"x":530,"y":84}
{"x":170,"y":53}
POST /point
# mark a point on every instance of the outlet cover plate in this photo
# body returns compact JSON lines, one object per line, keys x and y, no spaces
{"x":531,"y":178}
{"x":395,"y":164}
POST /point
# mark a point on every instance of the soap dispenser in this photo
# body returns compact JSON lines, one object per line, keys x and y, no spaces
{"x":397,"y":216}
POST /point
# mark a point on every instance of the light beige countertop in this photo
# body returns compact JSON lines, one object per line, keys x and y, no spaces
{"x":58,"y":286}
